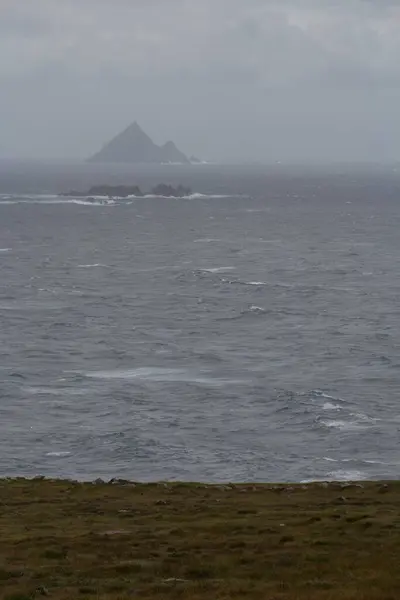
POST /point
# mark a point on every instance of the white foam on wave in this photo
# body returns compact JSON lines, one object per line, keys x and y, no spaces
{"x":98,"y":202}
{"x":94,"y":265}
{"x":257,"y":283}
{"x":58,"y":454}
{"x":212,"y":196}
{"x":356,"y":421}
{"x":360,"y":460}
{"x":364,"y":418}
{"x":339,"y":475}
{"x":342,"y":425}
{"x":343,"y":475}
{"x":194,"y":196}
{"x":257,"y":309}
{"x":331,"y":406}
{"x":56,"y":200}
{"x":322,"y":394}
{"x":28,"y":196}
{"x":5,"y":249}
{"x":159,"y":374}
{"x":101,"y":200}
{"x":240,"y":282}
{"x":348,"y":421}
{"x":218,"y":269}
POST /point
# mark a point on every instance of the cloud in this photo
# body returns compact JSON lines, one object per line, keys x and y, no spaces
{"x":102,"y":64}
{"x":267,"y":37}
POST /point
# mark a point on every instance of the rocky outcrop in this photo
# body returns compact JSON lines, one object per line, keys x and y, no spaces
{"x":169,"y":191}
{"x":124,"y":191}
{"x":120,"y":191}
{"x":171,"y":154}
{"x":134,"y":146}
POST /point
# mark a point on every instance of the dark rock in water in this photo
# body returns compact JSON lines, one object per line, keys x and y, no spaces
{"x":123,"y":191}
{"x":168,"y":190}
{"x":120,"y":191}
{"x":134,"y":146}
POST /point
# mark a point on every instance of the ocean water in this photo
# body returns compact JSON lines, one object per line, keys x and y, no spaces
{"x":248,"y":332}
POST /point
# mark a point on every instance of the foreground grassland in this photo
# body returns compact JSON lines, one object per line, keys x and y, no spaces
{"x":67,"y":540}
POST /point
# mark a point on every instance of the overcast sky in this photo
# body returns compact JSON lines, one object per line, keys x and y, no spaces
{"x":225,"y":79}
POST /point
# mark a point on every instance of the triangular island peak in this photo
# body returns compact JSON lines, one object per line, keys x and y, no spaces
{"x":133,"y":145}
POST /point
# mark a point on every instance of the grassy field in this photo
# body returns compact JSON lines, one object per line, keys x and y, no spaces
{"x":67,"y":540}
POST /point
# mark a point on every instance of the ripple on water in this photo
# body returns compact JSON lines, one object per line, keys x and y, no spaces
{"x":164,"y":375}
{"x":180,"y":364}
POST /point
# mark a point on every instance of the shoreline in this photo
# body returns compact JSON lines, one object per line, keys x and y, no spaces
{"x":123,"y":539}
{"x":324,"y":483}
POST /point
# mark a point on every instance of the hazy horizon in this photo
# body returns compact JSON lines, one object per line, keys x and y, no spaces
{"x":296,"y":81}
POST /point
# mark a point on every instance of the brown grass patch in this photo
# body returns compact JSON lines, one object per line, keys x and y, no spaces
{"x":66,"y":540}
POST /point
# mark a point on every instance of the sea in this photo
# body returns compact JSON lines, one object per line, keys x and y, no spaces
{"x":247,"y":332}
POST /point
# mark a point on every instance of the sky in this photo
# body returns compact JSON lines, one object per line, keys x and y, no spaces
{"x":230,"y":80}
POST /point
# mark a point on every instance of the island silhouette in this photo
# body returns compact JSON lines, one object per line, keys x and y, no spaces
{"x":133,"y":145}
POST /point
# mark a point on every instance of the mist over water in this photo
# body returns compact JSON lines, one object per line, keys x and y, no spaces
{"x":247,"y":333}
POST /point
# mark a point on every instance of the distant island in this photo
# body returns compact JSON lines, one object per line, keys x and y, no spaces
{"x":124,"y":191}
{"x":133,"y":145}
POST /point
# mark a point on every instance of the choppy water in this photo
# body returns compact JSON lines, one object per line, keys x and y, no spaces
{"x":235,"y":337}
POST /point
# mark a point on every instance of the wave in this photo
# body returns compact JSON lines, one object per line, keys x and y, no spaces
{"x":7,"y":199}
{"x":211,"y":196}
{"x":162,"y":375}
{"x":338,"y":476}
{"x":256,"y":309}
{"x":356,"y":422}
{"x":58,"y":454}
{"x":194,"y":196}
{"x":56,"y":200}
{"x":343,"y":475}
{"x":92,"y":266}
{"x":5,"y":249}
{"x":28,"y":196}
{"x":218,"y":269}
{"x":257,"y":283}
{"x":330,"y":406}
{"x":249,"y":312}
{"x":331,"y":412}
{"x":322,"y":394}
{"x":97,"y":202}
{"x":240,"y":282}
{"x":363,"y":461}
{"x":54,"y":391}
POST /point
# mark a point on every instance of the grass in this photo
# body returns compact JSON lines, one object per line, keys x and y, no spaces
{"x":67,"y":540}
